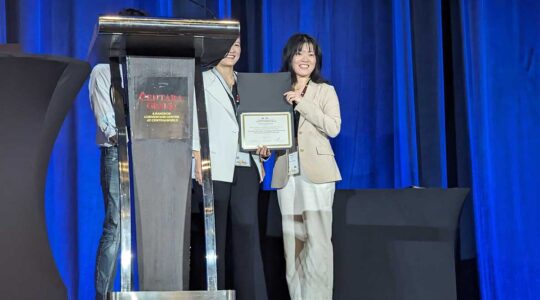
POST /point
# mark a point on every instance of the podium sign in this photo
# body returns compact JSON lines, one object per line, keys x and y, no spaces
{"x":161,"y":107}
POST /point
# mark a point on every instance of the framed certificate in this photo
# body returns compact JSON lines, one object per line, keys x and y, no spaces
{"x":270,"y":129}
{"x":264,"y":117}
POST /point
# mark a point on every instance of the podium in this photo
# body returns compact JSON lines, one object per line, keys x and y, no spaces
{"x":156,"y":72}
{"x":37,"y":92}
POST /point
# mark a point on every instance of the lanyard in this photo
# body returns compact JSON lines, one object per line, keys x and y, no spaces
{"x":302,"y":94}
{"x":235,"y":97}
{"x":303,"y":91}
{"x":305,"y":88}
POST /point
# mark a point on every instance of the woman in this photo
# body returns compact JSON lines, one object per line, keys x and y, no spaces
{"x":306,"y":176}
{"x":236,"y":177}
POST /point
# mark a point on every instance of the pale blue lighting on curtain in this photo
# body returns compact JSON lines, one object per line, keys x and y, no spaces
{"x":405,"y":155}
{"x":224,"y":9}
{"x":165,"y":8}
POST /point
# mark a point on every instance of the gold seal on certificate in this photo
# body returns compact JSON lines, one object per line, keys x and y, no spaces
{"x":270,"y":129}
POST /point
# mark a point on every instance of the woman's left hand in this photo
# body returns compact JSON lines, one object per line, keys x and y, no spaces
{"x":292,"y":96}
{"x":263,"y":152}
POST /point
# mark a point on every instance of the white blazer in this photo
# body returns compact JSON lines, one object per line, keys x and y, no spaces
{"x":223,"y":129}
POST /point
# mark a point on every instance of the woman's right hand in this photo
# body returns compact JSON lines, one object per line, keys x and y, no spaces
{"x":198,"y":166}
{"x":293,"y":96}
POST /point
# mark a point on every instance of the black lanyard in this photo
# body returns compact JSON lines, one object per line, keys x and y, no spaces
{"x":303,"y":92}
{"x":235,"y":98}
{"x":305,"y":88}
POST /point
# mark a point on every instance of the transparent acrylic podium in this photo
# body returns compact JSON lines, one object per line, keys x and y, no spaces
{"x":163,"y":61}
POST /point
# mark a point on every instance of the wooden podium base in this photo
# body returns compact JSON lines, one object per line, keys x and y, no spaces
{"x":174,"y":295}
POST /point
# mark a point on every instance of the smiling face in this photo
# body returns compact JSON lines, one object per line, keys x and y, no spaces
{"x":304,"y":61}
{"x":232,"y":57}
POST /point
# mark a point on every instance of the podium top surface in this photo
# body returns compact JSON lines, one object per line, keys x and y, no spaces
{"x":166,"y":26}
{"x":168,"y":37}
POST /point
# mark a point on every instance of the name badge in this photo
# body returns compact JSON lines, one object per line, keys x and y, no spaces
{"x":294,"y":163}
{"x":243,"y":159}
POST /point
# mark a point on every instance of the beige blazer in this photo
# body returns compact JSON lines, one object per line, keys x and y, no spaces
{"x":319,"y":119}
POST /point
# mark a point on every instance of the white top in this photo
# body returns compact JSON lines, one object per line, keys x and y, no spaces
{"x":100,"y":101}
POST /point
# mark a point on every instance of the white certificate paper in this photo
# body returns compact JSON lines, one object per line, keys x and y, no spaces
{"x":270,"y":129}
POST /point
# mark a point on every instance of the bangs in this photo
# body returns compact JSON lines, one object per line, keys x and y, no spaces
{"x":304,"y":40}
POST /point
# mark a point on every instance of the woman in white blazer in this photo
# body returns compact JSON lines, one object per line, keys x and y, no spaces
{"x":236,"y":178}
{"x":305,"y":177}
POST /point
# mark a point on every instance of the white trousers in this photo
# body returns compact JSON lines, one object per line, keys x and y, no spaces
{"x":306,"y":209}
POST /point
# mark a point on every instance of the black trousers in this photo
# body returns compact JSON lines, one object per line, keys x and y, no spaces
{"x":239,"y":263}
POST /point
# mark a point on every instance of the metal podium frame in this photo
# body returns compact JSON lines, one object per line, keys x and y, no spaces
{"x":207,"y":41}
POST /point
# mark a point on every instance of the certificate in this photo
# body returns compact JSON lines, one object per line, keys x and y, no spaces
{"x":264,"y":116}
{"x":270,"y":129}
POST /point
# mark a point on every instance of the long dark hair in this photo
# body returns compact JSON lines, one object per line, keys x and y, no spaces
{"x":293,"y":46}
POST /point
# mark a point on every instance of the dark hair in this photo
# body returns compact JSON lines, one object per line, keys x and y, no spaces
{"x":293,"y":46}
{"x":132,"y":12}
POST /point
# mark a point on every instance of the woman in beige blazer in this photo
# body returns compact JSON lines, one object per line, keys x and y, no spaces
{"x":306,"y":176}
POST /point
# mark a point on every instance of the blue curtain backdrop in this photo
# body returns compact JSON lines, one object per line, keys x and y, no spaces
{"x":367,"y":57}
{"x":433,"y":93}
{"x":502,"y":77}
